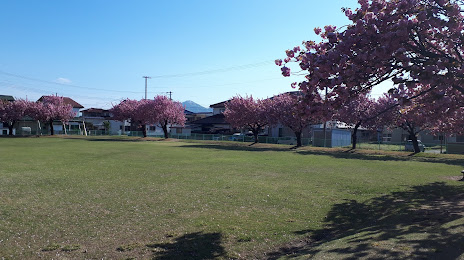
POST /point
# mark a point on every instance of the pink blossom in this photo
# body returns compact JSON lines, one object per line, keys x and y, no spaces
{"x":285,"y":71}
{"x":248,"y":113}
{"x":290,"y":53}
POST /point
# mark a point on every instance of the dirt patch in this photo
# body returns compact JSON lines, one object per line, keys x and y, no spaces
{"x":453,"y":178}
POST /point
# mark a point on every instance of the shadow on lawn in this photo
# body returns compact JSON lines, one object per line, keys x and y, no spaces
{"x":195,"y":246}
{"x":415,"y":224}
{"x":352,"y":154}
{"x":235,"y":147}
{"x":116,"y":139}
{"x":346,"y":154}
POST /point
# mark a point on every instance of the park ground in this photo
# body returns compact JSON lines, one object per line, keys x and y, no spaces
{"x":143,"y":198}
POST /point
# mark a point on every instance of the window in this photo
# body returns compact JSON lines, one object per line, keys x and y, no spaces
{"x":178,"y":130}
{"x":281,"y":132}
{"x":127,"y":128}
{"x":387,"y":138}
{"x":152,"y":128}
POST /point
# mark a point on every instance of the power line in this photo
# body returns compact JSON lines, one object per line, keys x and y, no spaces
{"x":66,"y":85}
{"x":241,"y":67}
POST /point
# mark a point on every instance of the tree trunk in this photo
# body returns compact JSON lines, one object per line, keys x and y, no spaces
{"x":354,"y":136}
{"x":298,"y":139}
{"x":144,"y":130}
{"x":413,"y":137}
{"x":165,"y":129}
{"x":10,"y":128}
{"x":52,"y":132}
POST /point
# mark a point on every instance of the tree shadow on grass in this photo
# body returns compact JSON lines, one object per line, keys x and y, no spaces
{"x":341,"y":154}
{"x":425,"y":222}
{"x":117,"y":139}
{"x":238,"y":147}
{"x":352,"y":154}
{"x":195,"y":246}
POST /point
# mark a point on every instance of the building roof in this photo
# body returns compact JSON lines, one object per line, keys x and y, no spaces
{"x":220,"y":104}
{"x":7,"y":98}
{"x":214,"y":119}
{"x":66,"y":100}
{"x":95,"y":110}
{"x":187,"y":112}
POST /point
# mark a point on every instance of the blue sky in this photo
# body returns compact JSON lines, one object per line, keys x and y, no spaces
{"x":96,"y":52}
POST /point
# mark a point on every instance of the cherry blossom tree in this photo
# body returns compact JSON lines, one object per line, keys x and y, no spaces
{"x":161,"y":110}
{"x":423,"y":112}
{"x":134,"y":111}
{"x":165,"y":112}
{"x":51,"y":108}
{"x":418,"y":43}
{"x":357,"y":112}
{"x":246,"y":112}
{"x":289,"y":110}
{"x":12,"y":111}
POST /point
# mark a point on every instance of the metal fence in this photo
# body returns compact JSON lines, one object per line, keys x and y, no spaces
{"x":362,"y":144}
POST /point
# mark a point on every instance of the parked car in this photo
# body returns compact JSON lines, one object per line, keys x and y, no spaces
{"x":236,"y":137}
{"x":240,"y":136}
{"x":408,"y":146}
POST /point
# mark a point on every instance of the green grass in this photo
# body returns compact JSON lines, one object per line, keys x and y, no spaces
{"x":122,"y":198}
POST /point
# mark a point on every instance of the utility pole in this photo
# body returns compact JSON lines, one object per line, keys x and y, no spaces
{"x":170,"y":93}
{"x":146,"y":77}
{"x":325,"y":119}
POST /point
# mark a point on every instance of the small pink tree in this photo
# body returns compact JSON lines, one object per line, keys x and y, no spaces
{"x":424,"y":112}
{"x":132,"y":110}
{"x":12,"y":111}
{"x":357,"y":112}
{"x":248,"y":113}
{"x":160,"y":110}
{"x":53,"y":108}
{"x":289,"y":110}
{"x":166,"y":112}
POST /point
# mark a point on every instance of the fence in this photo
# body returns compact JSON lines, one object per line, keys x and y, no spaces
{"x":20,"y":132}
{"x":236,"y":138}
{"x":362,"y":144}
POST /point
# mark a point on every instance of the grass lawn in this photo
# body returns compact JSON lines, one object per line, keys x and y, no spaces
{"x":124,"y":198}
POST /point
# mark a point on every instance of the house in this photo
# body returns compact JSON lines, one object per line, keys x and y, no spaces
{"x":192,"y":116}
{"x":219,"y":108}
{"x":6,"y":98}
{"x":101,"y":120}
{"x":399,"y":135}
{"x":76,"y":107}
{"x":187,"y":129}
{"x":73,"y":124}
{"x":213,"y":124}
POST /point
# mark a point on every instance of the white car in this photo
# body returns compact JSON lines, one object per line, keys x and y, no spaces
{"x":408,"y":146}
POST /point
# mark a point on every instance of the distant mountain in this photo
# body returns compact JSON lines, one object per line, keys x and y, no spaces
{"x":194,"y":107}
